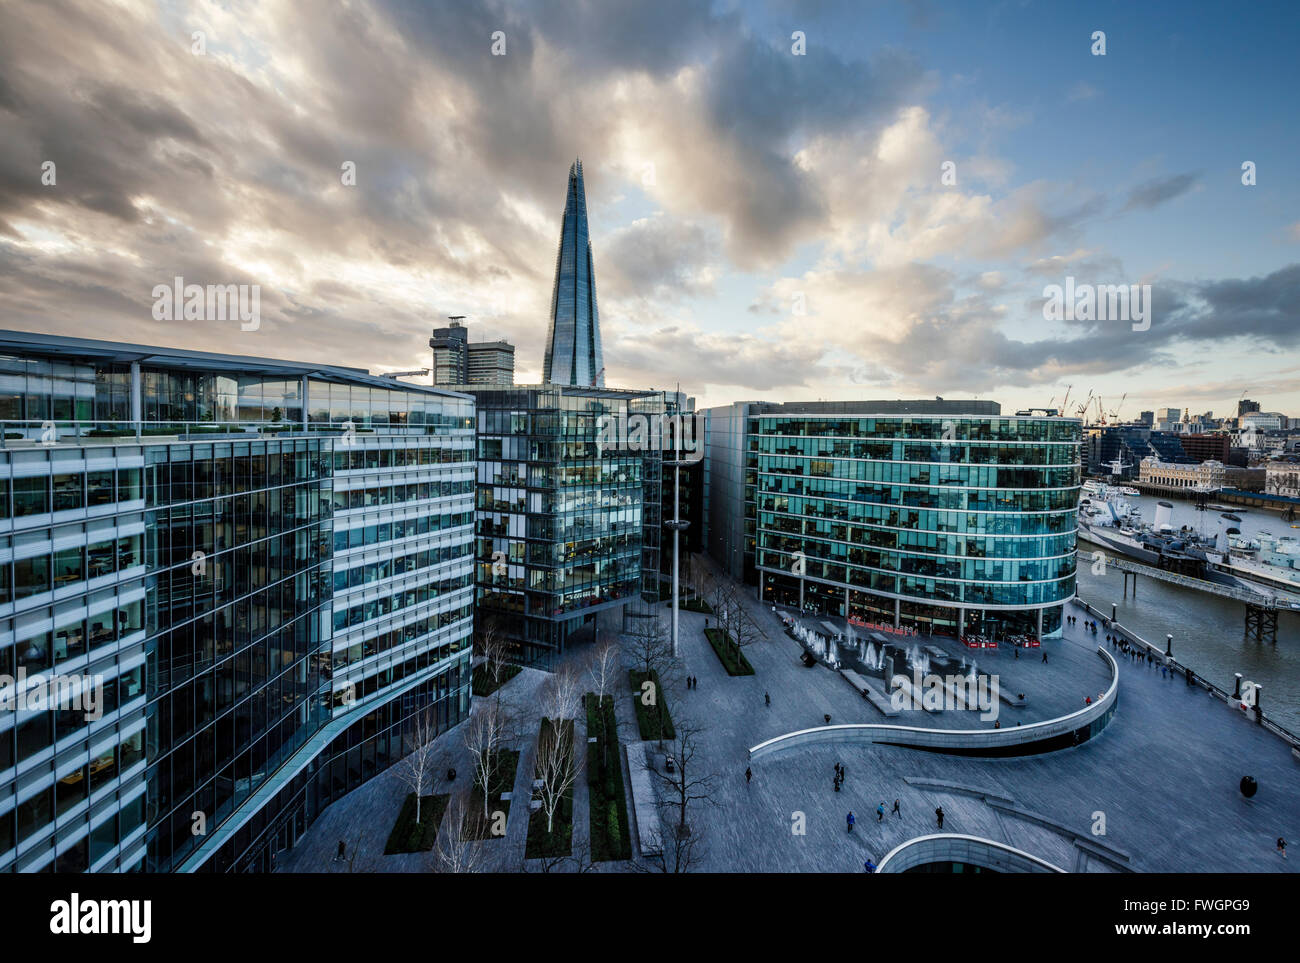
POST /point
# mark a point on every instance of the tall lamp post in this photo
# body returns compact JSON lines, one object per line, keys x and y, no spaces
{"x":676,"y":525}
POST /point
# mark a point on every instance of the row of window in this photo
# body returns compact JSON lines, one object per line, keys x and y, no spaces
{"x":374,"y":608}
{"x":71,"y":639}
{"x":939,"y":427}
{"x":364,"y":573}
{"x":371,"y":531}
{"x":39,"y":731}
{"x":905,"y":473}
{"x":373,"y":496}
{"x":940,"y":450}
{"x":929,"y":543}
{"x":1052,"y":522}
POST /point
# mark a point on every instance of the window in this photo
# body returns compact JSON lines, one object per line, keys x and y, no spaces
{"x":67,"y":492}
{"x":31,"y":496}
{"x":31,"y":576}
{"x":99,"y":486}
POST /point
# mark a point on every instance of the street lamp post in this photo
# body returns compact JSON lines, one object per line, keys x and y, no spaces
{"x":677,"y":526}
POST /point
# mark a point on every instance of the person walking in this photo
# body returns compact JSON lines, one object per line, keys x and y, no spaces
{"x":880,"y":813}
{"x":850,"y":820}
{"x":767,"y":697}
{"x":869,"y":866}
{"x":343,"y":851}
{"x":896,"y":811}
{"x":938,"y":814}
{"x":1044,"y":655}
{"x":1281,"y":846}
{"x":749,"y":774}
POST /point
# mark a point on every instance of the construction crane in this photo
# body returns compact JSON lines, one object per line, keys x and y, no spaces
{"x":1066,"y":400}
{"x":1081,"y":410}
{"x":1115,"y":414}
{"x":596,"y":378}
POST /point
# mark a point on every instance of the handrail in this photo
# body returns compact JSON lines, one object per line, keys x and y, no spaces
{"x":979,"y":840}
{"x":951,"y":738}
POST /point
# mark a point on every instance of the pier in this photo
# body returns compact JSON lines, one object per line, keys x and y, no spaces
{"x":1261,"y":607}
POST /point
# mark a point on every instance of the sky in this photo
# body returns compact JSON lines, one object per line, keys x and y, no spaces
{"x":787,"y":201}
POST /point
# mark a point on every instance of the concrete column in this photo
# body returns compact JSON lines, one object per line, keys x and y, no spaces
{"x":303,"y":392}
{"x":846,"y":602}
{"x":898,"y":611}
{"x":1040,"y":625}
{"x":961,"y":622}
{"x":137,"y":406}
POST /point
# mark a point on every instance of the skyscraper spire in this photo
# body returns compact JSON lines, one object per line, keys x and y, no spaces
{"x":573,"y":355}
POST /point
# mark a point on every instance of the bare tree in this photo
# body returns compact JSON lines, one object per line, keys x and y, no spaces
{"x":651,"y":646}
{"x":486,"y":732}
{"x":678,"y":852}
{"x":578,"y":861}
{"x":561,"y":693}
{"x":603,"y":668}
{"x":557,"y":766}
{"x":452,"y":852}
{"x":416,"y":767}
{"x":691,"y":780}
{"x":491,"y":643}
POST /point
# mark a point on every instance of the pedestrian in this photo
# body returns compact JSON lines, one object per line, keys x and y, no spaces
{"x":837,"y":783}
{"x":896,"y":811}
{"x":1017,"y":651}
{"x":1281,"y":846}
{"x":343,"y":851}
{"x":938,"y":814}
{"x":749,"y":774}
{"x":767,"y":697}
{"x":869,"y":866}
{"x":1044,"y":655}
{"x":880,"y":813}
{"x":850,"y":820}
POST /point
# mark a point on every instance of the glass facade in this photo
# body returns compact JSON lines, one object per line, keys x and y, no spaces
{"x":947,"y":522}
{"x":573,"y":354}
{"x":266,"y":611}
{"x":559,"y":520}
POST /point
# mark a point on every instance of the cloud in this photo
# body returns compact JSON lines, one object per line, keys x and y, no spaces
{"x":1151,"y":194}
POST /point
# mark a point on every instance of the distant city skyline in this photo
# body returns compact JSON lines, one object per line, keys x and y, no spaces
{"x":840,"y":202}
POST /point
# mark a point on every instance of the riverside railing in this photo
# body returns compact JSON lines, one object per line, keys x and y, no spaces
{"x":1189,"y":675}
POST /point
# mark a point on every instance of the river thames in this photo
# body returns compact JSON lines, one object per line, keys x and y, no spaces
{"x":1208,"y":631}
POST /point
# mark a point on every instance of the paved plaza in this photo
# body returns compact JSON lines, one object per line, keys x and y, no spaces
{"x":1162,"y":778}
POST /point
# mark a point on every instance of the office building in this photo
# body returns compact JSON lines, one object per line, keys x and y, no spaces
{"x":559,"y":512}
{"x":490,"y":363}
{"x":944,"y":516}
{"x":266,"y":565}
{"x":459,"y":361}
{"x":1206,"y":447}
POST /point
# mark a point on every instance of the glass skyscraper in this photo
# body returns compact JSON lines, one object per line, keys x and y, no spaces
{"x":945,"y":516}
{"x":560,"y":519}
{"x":266,"y":566}
{"x":573,"y":355}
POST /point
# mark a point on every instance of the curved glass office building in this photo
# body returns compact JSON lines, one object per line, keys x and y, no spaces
{"x":945,"y":516}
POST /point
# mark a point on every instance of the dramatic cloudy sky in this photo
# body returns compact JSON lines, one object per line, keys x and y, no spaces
{"x":765,"y":224}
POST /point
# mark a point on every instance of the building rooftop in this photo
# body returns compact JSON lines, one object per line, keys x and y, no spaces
{"x":87,"y":349}
{"x":928,"y":406}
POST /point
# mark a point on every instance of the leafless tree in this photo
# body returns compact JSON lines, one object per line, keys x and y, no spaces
{"x":486,"y":733}
{"x":678,"y":852}
{"x":651,"y":646}
{"x":561,"y":693}
{"x":578,"y":861}
{"x":452,"y":851}
{"x":603,"y":668}
{"x":558,"y":765}
{"x":416,"y":767}
{"x":491,"y":643}
{"x":691,"y":780}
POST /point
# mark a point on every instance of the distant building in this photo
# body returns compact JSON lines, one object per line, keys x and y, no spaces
{"x":458,"y":361}
{"x":573,"y":353}
{"x":1283,"y":478}
{"x":1245,"y":406}
{"x":1263,"y":421}
{"x":1203,"y":447}
{"x":1147,"y":418}
{"x":1207,"y":476}
{"x":450,"y":353}
{"x":490,"y":363}
{"x":1117,"y":450}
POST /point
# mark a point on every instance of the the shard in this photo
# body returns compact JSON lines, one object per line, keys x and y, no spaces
{"x":573,"y":355}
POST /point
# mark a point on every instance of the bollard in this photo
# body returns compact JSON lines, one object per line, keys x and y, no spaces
{"x":1259,"y":705}
{"x":1236,"y":686}
{"x":1112,"y":611}
{"x":1169,"y":644}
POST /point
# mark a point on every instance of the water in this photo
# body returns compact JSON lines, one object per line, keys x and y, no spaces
{"x":1208,"y":631}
